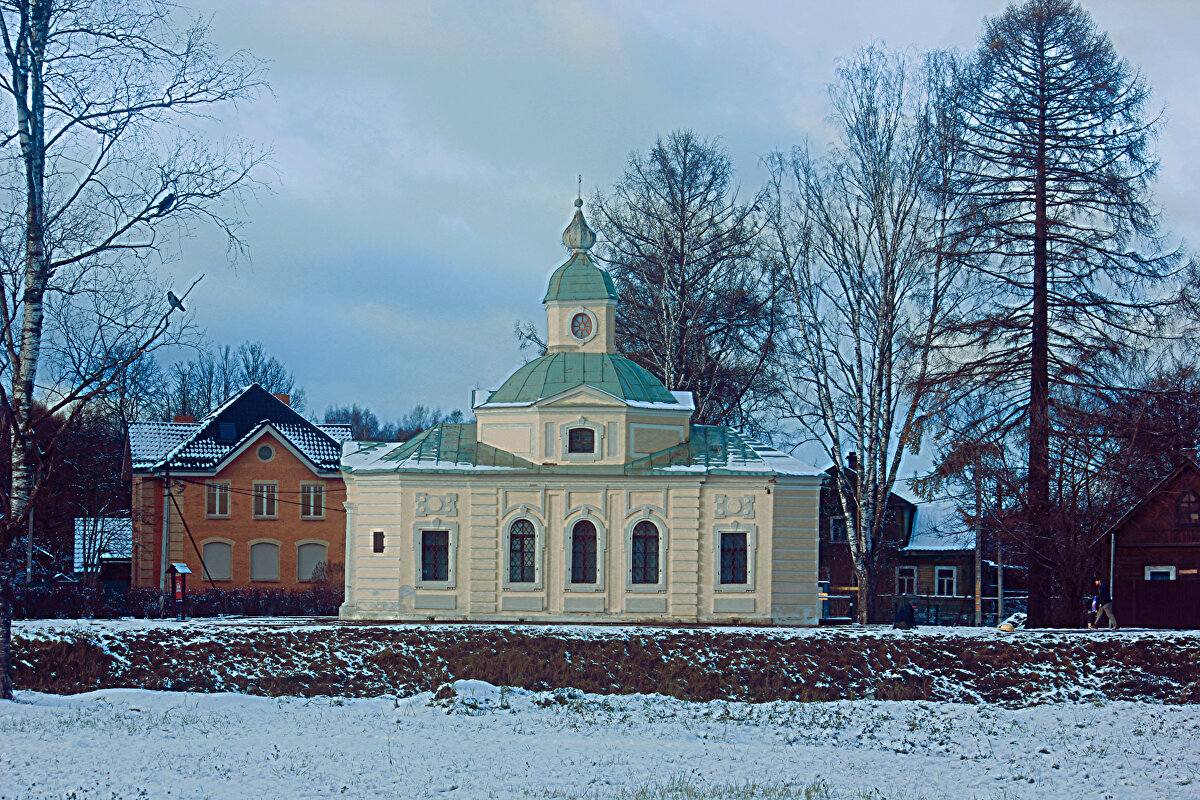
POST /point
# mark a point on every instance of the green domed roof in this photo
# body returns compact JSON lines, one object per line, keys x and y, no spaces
{"x":580,"y":280}
{"x":558,"y":372}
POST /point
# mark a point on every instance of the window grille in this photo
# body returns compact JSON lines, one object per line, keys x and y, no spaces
{"x":435,"y":555}
{"x":581,"y":440}
{"x":521,"y":543}
{"x":733,"y":557}
{"x":645,"y":552}
{"x":583,"y":552}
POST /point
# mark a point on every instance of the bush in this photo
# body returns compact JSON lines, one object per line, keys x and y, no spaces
{"x":77,"y":601}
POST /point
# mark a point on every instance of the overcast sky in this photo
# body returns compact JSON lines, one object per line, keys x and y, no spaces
{"x":425,"y":155}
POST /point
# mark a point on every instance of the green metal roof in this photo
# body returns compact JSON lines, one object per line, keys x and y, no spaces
{"x":579,"y":280}
{"x":558,"y":372}
{"x":454,"y":444}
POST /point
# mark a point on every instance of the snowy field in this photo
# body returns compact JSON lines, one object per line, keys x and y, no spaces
{"x":484,"y":742}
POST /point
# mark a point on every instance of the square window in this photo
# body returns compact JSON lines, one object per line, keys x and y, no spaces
{"x":581,"y":440}
{"x":377,"y":542}
{"x":216,"y":499}
{"x":312,"y":501}
{"x":266,"y":500}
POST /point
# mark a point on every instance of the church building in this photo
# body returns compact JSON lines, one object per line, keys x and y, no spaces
{"x":583,"y":492}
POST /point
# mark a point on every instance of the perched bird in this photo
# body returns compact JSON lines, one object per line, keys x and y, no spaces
{"x":175,"y":301}
{"x":164,"y":205}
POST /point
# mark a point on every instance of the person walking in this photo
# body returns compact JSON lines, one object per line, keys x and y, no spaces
{"x":1103,"y":606}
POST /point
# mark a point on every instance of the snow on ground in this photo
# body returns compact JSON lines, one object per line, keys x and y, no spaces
{"x":488,"y":742}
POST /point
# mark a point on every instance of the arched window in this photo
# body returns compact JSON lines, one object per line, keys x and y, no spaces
{"x":521,"y":543}
{"x":583,"y":552}
{"x":581,"y":440}
{"x":1189,"y":509}
{"x":218,"y":560}
{"x":310,"y":562}
{"x":264,"y":561}
{"x":645,"y":552}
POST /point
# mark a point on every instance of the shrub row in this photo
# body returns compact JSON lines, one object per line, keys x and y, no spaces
{"x":76,"y":601}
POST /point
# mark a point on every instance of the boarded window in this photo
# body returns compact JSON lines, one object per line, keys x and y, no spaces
{"x":218,"y":560}
{"x":310,"y":562}
{"x":645,"y":553}
{"x":435,"y":555}
{"x":906,"y":580}
{"x":581,"y":440}
{"x":377,"y":542}
{"x":312,"y":501}
{"x":946,"y":581}
{"x":583,"y":552}
{"x":521,"y":543}
{"x":266,"y":500}
{"x":733,"y":557}
{"x":264,"y":562}
{"x":216,"y":500}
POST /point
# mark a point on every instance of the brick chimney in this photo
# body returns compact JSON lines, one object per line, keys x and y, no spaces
{"x":183,"y":418}
{"x":286,"y":399}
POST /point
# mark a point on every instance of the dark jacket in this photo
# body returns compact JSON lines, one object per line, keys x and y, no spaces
{"x":1103,"y":596}
{"x":905,"y":616}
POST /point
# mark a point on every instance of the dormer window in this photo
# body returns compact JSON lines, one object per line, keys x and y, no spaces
{"x":581,"y":440}
{"x":227,"y":431}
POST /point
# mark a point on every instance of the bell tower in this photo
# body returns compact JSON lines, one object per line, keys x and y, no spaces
{"x":581,"y":300}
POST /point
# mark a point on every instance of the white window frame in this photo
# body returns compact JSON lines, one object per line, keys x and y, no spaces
{"x":1170,"y":570}
{"x":539,"y":549}
{"x":451,"y":556}
{"x":937,"y":581}
{"x":598,"y":430}
{"x":274,"y":497}
{"x":601,"y":553}
{"x":751,"y":531}
{"x":306,"y":490}
{"x":907,"y":570}
{"x":663,"y":547}
{"x":212,"y":490}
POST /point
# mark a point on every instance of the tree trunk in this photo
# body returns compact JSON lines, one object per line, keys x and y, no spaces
{"x":865,"y":573}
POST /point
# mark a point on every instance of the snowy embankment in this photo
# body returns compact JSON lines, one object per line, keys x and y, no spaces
{"x":480,"y":742}
{"x":280,"y":657}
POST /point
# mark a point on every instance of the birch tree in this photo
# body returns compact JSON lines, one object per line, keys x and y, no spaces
{"x":861,"y":234}
{"x":700,"y":307}
{"x":102,"y":174}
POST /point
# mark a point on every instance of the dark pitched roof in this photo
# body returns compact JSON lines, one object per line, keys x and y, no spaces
{"x":203,"y":445}
{"x":1185,"y":465}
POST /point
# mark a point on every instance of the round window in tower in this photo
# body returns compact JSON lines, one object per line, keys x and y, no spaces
{"x":266,"y":453}
{"x":581,"y":326}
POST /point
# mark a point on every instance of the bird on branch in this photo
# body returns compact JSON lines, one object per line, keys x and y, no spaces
{"x":165,"y":204}
{"x":175,"y":301}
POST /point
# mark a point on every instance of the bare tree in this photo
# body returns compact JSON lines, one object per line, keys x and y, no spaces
{"x":1057,"y":184}
{"x":103,"y":174}
{"x":699,"y":306}
{"x":861,"y":236}
{"x":197,"y":386}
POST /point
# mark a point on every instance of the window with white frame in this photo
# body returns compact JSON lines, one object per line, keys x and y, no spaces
{"x":581,"y":440}
{"x":522,"y":544}
{"x":1160,"y":573}
{"x":906,"y":580}
{"x":312,"y":501}
{"x":435,"y":555}
{"x":216,"y":499}
{"x":734,"y":549}
{"x":837,"y":530}
{"x":266,"y":500}
{"x":945,"y":581}
{"x":644,"y":555}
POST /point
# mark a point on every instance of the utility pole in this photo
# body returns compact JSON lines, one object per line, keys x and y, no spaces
{"x":978,"y":541}
{"x":29,"y":550}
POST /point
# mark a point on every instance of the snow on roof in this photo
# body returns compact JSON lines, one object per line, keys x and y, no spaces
{"x":938,"y":525}
{"x":205,"y":444}
{"x":110,"y":538}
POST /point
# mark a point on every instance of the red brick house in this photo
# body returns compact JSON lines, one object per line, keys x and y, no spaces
{"x":256,"y":496}
{"x":1154,"y":555}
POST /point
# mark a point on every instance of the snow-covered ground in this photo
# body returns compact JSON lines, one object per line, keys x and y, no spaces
{"x":486,"y":742}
